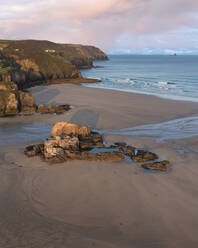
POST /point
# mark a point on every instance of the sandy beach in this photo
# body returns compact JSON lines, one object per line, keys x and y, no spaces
{"x":80,"y":204}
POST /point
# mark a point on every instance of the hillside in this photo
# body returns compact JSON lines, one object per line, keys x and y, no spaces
{"x":29,"y":61}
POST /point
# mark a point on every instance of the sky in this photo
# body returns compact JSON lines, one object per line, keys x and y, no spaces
{"x":116,"y":26}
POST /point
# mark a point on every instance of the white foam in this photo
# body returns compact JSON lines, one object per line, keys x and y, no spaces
{"x":164,"y":96}
{"x":163,"y":83}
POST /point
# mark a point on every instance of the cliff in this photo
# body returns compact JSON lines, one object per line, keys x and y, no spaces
{"x":29,"y":62}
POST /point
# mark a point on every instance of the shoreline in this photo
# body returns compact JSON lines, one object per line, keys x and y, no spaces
{"x":161,"y":96}
{"x":90,"y":96}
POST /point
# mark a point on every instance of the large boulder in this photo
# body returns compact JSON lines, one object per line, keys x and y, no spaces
{"x":64,"y":128}
{"x":34,"y":150}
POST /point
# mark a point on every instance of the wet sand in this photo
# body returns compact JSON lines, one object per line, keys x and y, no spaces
{"x":95,"y":204}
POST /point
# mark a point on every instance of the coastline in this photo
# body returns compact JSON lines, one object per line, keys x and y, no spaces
{"x":161,"y":96}
{"x":141,"y":109}
{"x":83,"y":204}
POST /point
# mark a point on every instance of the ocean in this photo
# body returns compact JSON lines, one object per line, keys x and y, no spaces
{"x":170,"y":77}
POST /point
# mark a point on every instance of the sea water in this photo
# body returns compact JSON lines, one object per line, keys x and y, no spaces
{"x":171,"y":77}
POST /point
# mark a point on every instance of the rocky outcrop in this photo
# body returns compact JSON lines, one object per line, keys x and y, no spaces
{"x":137,"y":155}
{"x":49,"y":109}
{"x":161,"y":165}
{"x":26,"y":102}
{"x":14,"y":101}
{"x":71,"y":141}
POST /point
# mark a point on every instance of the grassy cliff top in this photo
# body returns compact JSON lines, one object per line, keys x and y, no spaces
{"x":33,"y":60}
{"x":69,"y":51}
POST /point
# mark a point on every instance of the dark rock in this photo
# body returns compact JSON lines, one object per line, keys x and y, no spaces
{"x":100,"y":156}
{"x":116,"y":156}
{"x":161,"y":165}
{"x":94,"y":140}
{"x":34,"y":150}
{"x":120,"y":144}
{"x":128,"y":151}
{"x":143,"y":156}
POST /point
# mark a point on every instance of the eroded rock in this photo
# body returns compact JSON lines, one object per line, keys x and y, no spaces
{"x":68,"y":142}
{"x":34,"y":150}
{"x":65,"y":128}
{"x":49,"y":109}
{"x":161,"y":165}
{"x":75,"y":142}
{"x":144,"y":156}
{"x":12,"y":104}
{"x":27,"y":103}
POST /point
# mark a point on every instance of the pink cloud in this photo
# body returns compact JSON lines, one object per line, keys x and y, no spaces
{"x":103,"y":22}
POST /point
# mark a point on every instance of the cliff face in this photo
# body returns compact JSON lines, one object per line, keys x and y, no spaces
{"x":30,"y":61}
{"x":83,"y":56}
{"x":14,"y":101}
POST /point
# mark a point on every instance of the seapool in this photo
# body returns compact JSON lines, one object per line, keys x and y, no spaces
{"x":71,"y":141}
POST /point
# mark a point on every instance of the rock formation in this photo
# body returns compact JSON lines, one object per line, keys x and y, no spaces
{"x":14,"y":101}
{"x":71,"y":141}
{"x":159,"y":165}
{"x":64,"y":128}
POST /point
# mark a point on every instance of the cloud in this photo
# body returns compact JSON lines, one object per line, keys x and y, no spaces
{"x":110,"y":24}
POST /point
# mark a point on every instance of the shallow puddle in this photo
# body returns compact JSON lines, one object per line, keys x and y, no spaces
{"x":13,"y":134}
{"x":96,"y":150}
{"x":169,"y":130}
